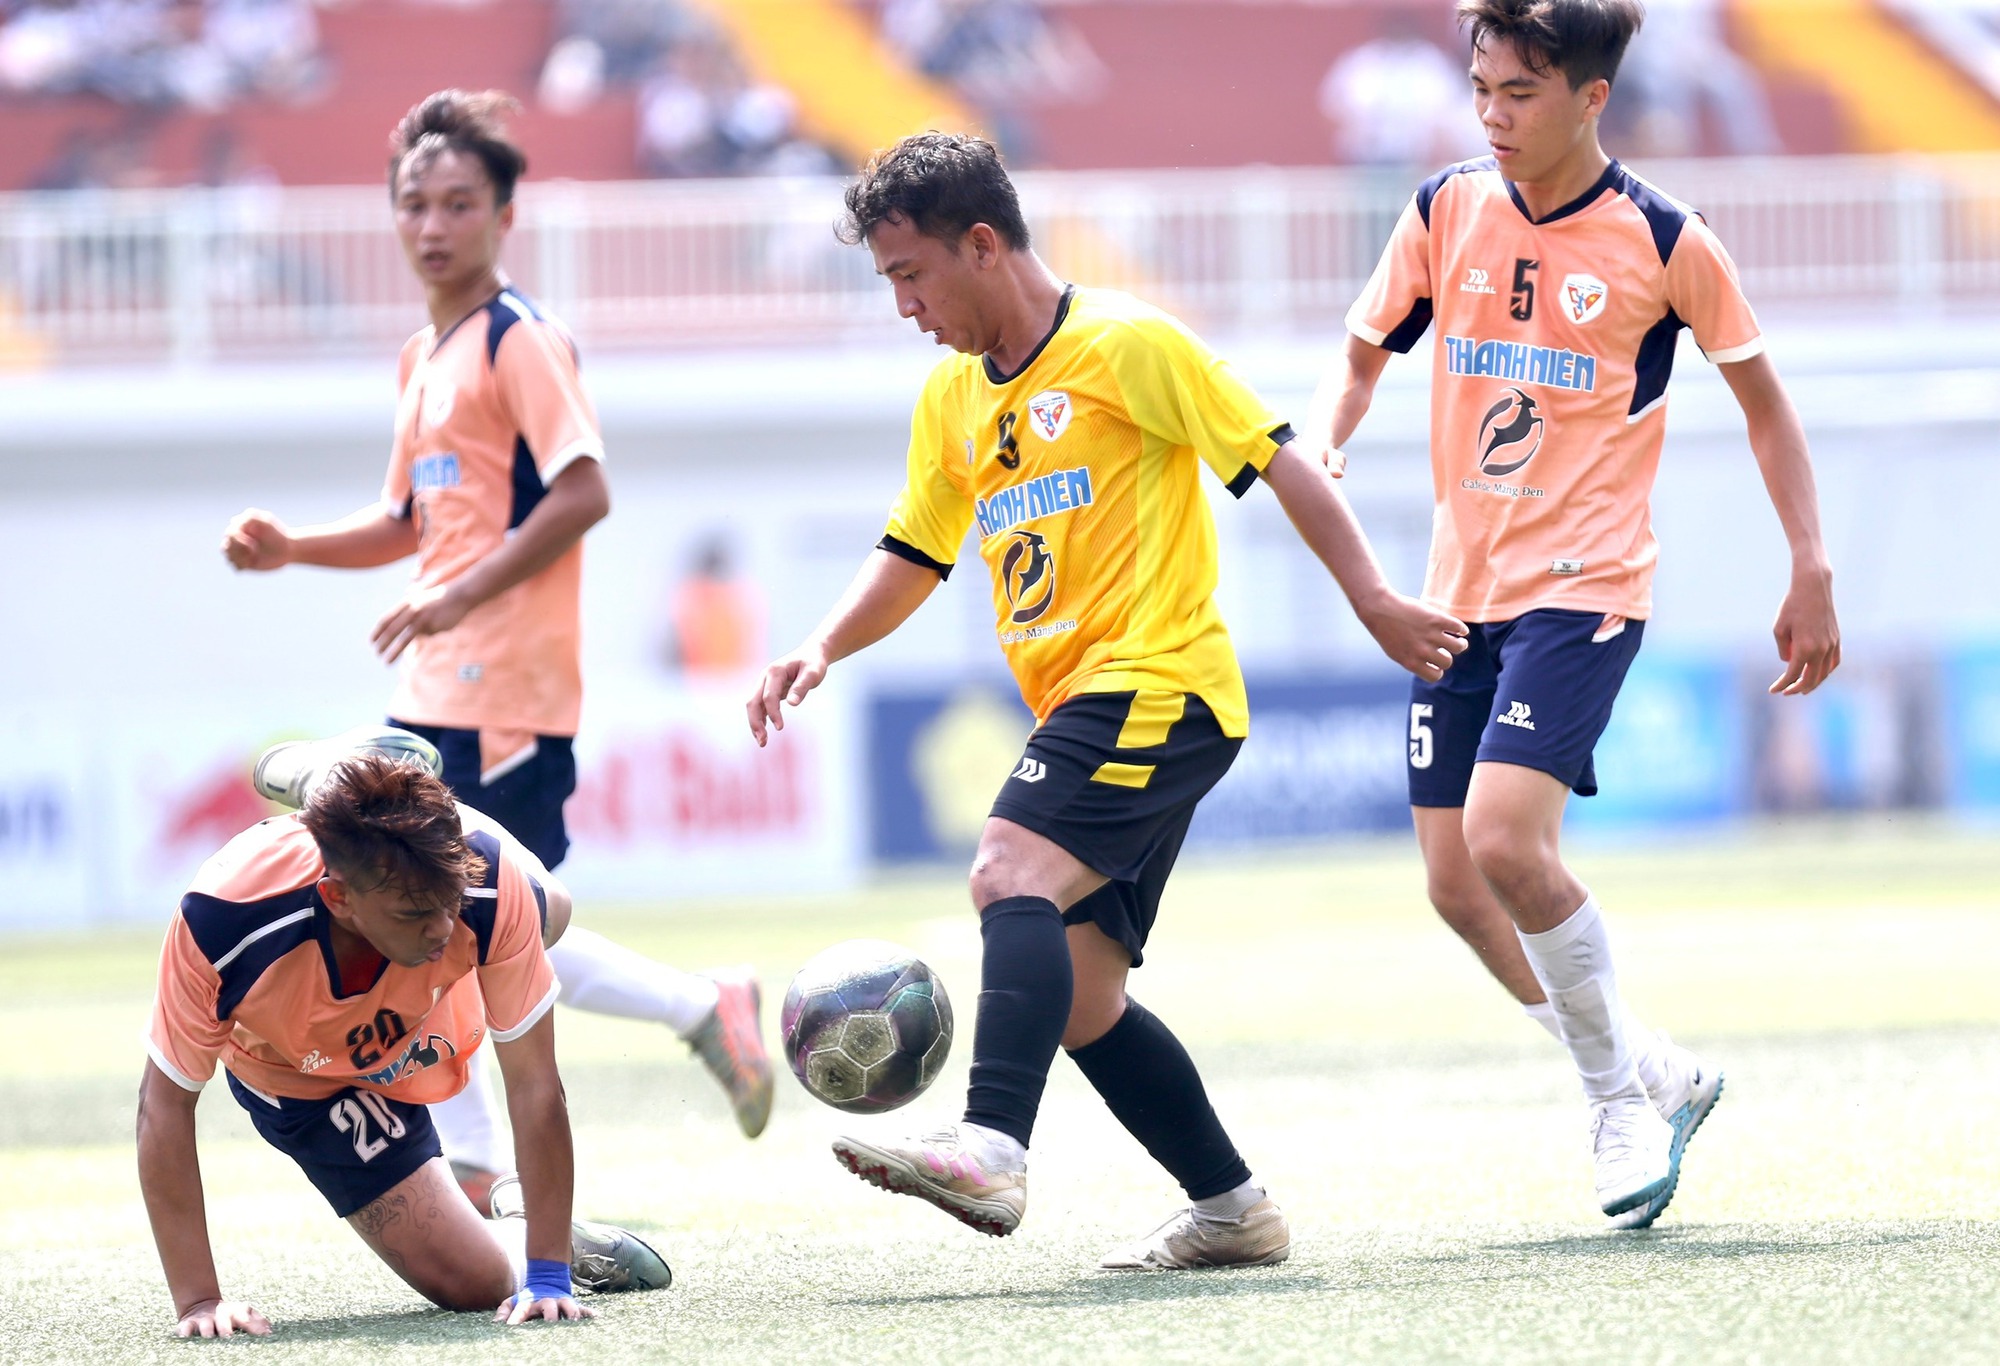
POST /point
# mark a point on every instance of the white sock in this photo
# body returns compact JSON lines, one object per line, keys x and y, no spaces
{"x":1544,"y":1014}
{"x":1231,"y":1205}
{"x":609,"y":979}
{"x":1649,"y":1055}
{"x":1573,"y":964}
{"x":997,"y":1152}
{"x":467,"y":1124}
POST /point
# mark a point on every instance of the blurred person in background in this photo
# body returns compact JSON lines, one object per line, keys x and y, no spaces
{"x":495,"y":475}
{"x":1559,"y":282}
{"x":715,"y":625}
{"x":1398,"y":100}
{"x":1682,"y":76}
{"x":1003,"y":56}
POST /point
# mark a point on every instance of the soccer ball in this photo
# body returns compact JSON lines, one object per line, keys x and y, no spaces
{"x":866,"y":1025}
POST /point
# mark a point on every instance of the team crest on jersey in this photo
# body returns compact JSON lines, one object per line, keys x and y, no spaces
{"x":1585,"y":296}
{"x":1028,"y":576}
{"x":438,"y":404}
{"x":1509,"y":434}
{"x":1051,"y":410}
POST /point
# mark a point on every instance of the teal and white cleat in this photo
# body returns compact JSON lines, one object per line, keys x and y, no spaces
{"x":1633,"y":1148}
{"x":287,"y":773}
{"x":1690,"y":1092}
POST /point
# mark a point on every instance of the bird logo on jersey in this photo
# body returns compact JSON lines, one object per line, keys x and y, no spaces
{"x":1028,"y":575}
{"x":1509,"y":434}
{"x":1585,"y":296}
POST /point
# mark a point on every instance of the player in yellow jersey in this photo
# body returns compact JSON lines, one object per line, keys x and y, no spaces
{"x":1069,"y":431}
{"x":1559,"y":282}
{"x":496,"y":474}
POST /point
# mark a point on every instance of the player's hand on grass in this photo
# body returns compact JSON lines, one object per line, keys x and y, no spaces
{"x":424,"y":611}
{"x":527,"y":1307}
{"x":221,"y":1319}
{"x":1808,"y":634}
{"x":1415,"y":634}
{"x":256,"y":539}
{"x":786,"y":680}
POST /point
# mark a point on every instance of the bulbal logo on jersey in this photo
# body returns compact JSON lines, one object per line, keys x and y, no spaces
{"x":1051,"y":410}
{"x":1028,"y":576}
{"x":1585,"y":296}
{"x":1477,"y":282}
{"x":1509,"y":434}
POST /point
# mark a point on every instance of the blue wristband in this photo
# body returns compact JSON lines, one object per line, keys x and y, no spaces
{"x":548,"y":1280}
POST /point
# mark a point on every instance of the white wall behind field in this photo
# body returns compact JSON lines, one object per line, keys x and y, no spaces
{"x":127,"y":632}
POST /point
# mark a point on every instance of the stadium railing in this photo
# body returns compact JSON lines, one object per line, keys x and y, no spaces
{"x":197,"y":274}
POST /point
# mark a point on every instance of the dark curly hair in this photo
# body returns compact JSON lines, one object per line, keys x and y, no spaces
{"x":939,"y":183}
{"x":1583,"y":39}
{"x":380,"y":822}
{"x":466,"y":122}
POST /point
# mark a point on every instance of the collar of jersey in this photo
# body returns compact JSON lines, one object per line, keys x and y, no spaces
{"x":323,"y":931}
{"x":993,"y":374}
{"x":452,"y":331}
{"x":1575,"y":206}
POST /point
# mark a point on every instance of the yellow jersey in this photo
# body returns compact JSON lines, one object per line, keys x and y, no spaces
{"x":1080,"y":473}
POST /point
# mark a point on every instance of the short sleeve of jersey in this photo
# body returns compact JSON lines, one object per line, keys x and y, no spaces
{"x":932,"y":513}
{"x":396,"y":487}
{"x":535,"y":373}
{"x":1395,"y":309}
{"x":516,"y":979}
{"x":1185,"y":394}
{"x":1703,"y":290}
{"x":185,"y":1038}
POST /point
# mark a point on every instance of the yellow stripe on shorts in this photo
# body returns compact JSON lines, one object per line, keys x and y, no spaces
{"x":1123,"y":775}
{"x":1153,"y":714}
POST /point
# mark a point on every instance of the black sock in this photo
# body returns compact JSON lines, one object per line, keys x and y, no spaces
{"x":1149,"y":1082}
{"x":1025,"y":984}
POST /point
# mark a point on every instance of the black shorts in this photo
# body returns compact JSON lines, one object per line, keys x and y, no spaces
{"x":1535,"y":691}
{"x":355,"y":1146}
{"x":526,"y":797}
{"x":1114,"y":778}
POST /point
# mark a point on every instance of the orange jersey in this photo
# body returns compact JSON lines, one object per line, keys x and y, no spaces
{"x":1548,"y":402}
{"x":491,"y":413}
{"x":1082,"y":474}
{"x":247,"y":977}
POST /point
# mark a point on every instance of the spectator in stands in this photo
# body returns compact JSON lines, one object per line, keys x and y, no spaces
{"x":200,"y":54}
{"x":1003,"y":56}
{"x":1681,"y":65}
{"x":715,"y":616}
{"x":703,"y":115}
{"x":1399,"y":99}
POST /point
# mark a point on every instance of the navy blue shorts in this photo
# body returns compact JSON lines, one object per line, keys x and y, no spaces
{"x":355,"y":1146}
{"x":1114,"y":779}
{"x":1535,"y":691}
{"x":527,"y":799}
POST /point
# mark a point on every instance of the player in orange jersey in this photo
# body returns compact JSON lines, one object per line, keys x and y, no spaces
{"x":344,"y":966}
{"x":1558,"y":282}
{"x":1068,"y":432}
{"x":495,"y":476}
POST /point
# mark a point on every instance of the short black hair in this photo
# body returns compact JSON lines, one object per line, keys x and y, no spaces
{"x":1583,"y":39}
{"x":466,"y":122}
{"x":942,"y":184}
{"x":379,"y":821}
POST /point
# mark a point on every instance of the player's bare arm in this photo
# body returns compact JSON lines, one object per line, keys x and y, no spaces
{"x":1807,"y":631}
{"x":170,"y":1182}
{"x":364,"y":539}
{"x":1342,"y":400}
{"x":884,"y":594}
{"x":1416,"y":635}
{"x":576,"y":501}
{"x":547,"y":1162}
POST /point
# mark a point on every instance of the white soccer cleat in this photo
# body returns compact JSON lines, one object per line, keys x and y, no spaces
{"x":1188,"y":1242}
{"x":287,"y":773}
{"x":1634,"y":1149}
{"x":1690,"y":1091}
{"x":942,"y":1169}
